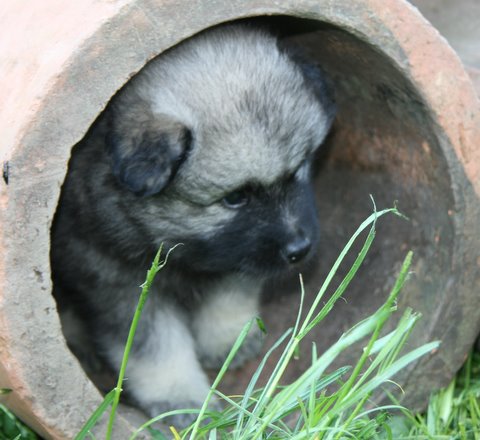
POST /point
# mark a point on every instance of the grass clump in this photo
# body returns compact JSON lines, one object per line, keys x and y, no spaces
{"x":453,"y":413}
{"x":323,"y":404}
{"x":11,"y":428}
{"x":319,"y":404}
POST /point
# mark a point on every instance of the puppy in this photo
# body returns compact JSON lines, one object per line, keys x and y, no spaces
{"x":211,"y":146}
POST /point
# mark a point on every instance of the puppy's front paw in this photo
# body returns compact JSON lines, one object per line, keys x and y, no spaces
{"x":249,"y":349}
{"x":180,"y":420}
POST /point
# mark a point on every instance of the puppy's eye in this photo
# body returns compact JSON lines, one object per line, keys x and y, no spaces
{"x":236,"y":199}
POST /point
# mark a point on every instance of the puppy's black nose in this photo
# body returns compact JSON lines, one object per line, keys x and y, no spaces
{"x":297,"y":249}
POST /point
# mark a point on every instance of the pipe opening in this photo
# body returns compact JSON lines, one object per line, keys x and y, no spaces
{"x":384,"y":143}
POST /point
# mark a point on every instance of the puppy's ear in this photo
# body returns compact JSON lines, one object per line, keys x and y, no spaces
{"x":146,"y":149}
{"x":315,"y":78}
{"x":322,"y":86}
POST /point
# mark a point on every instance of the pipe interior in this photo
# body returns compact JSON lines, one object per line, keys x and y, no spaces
{"x":382,"y":144}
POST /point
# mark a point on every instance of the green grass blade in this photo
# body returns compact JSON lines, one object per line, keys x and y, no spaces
{"x":283,"y":361}
{"x":254,"y":380}
{"x":383,"y":377}
{"x":152,"y":272}
{"x":308,"y":325}
{"x":300,"y":385}
{"x":223,"y":370}
{"x":369,"y":221}
{"x":343,"y":285}
{"x":160,"y":418}
{"x":446,"y":403}
{"x":91,"y":422}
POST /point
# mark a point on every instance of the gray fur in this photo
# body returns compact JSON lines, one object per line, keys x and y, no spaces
{"x":209,"y":145}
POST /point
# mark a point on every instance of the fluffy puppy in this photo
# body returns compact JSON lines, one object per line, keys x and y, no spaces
{"x":210,"y":145}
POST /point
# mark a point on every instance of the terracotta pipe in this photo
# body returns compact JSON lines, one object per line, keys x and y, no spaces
{"x":408,"y":129}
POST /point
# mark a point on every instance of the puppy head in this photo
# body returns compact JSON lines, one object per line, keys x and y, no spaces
{"x":216,"y":140}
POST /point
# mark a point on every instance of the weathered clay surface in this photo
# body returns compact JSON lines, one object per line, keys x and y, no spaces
{"x":458,"y":22}
{"x":408,"y":130}
{"x":475,"y":77}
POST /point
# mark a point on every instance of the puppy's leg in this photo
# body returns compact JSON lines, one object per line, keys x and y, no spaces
{"x":217,"y":324}
{"x":163,"y":371}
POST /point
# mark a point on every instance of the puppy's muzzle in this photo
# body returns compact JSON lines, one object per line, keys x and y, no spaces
{"x":297,"y":248}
